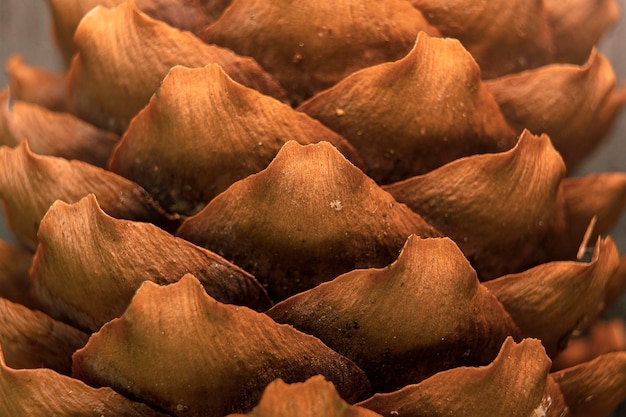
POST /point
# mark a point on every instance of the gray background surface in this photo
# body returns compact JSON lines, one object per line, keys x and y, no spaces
{"x":25,"y":28}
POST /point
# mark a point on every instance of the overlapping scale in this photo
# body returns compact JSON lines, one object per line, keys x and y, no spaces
{"x":501,"y":209}
{"x":594,"y":388}
{"x":31,"y":339}
{"x":311,"y":398}
{"x":596,"y":198}
{"x":202,"y":131}
{"x":309,"y":45}
{"x":492,"y":390}
{"x":53,"y":133}
{"x":382,"y":318}
{"x":36,"y":85}
{"x":308,"y":217}
{"x":411,"y":116}
{"x":230,"y":354}
{"x":30,"y":183}
{"x":89,"y":265}
{"x":554,"y":300}
{"x":44,"y":393}
{"x":574,"y":105}
{"x":504,"y":36}
{"x":578,"y":25}
{"x":189,"y":15}
{"x":123,"y":55}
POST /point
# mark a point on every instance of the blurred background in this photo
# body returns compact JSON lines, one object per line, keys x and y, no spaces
{"x":25,"y":28}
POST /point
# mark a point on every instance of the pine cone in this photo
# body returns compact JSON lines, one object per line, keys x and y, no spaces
{"x":272,"y":208}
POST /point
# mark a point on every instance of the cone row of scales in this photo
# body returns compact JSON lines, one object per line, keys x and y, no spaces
{"x":352,"y":208}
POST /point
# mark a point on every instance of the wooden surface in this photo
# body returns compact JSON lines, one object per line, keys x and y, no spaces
{"x":25,"y":28}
